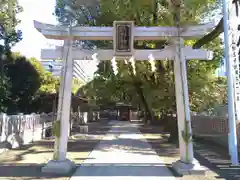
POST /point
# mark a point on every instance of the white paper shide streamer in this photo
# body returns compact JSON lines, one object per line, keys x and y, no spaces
{"x":114,"y":65}
{"x":132,"y":60}
{"x":152,"y":62}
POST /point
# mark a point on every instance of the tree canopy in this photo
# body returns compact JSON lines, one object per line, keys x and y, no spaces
{"x":23,"y":80}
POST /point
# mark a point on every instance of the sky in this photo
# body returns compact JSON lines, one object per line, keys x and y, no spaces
{"x":33,"y":41}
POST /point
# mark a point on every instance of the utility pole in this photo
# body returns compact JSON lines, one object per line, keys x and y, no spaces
{"x":230,"y":80}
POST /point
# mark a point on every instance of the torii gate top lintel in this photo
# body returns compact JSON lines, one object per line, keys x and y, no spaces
{"x":106,"y":33}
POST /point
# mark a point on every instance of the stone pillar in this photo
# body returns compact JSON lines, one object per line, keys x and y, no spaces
{"x":85,"y":117}
{"x":62,"y":165}
{"x":79,"y":115}
{"x":183,"y":111}
{"x":61,"y":87}
{"x":65,"y":100}
{"x":187,"y":163}
{"x":4,"y":127}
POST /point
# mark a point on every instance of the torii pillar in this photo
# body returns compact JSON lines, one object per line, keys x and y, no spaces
{"x":60,"y":164}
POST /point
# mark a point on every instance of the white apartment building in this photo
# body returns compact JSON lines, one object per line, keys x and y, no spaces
{"x":79,"y":68}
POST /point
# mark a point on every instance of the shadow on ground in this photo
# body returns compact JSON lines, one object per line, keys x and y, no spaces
{"x":213,"y":157}
{"x":216,"y":159}
{"x":25,"y":171}
{"x":25,"y":163}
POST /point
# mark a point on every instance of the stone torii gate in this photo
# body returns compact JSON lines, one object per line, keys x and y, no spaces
{"x":123,"y":34}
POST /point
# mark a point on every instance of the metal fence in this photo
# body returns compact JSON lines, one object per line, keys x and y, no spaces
{"x":23,"y":129}
{"x":213,"y":127}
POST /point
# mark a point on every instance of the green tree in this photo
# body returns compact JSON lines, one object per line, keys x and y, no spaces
{"x":5,"y":85}
{"x":48,"y":83}
{"x":9,"y":36}
{"x":8,"y":22}
{"x":145,"y":13}
{"x":77,"y":83}
{"x":28,"y":80}
{"x":25,"y":81}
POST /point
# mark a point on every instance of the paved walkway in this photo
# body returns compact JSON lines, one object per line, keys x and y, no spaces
{"x":123,"y":154}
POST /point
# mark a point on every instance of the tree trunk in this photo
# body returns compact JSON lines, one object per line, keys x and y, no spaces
{"x":170,"y":125}
{"x":148,"y":113}
{"x":173,"y":138}
{"x":140,"y":92}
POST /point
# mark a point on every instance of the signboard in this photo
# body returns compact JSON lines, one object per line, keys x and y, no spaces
{"x":123,"y":33}
{"x":123,"y":39}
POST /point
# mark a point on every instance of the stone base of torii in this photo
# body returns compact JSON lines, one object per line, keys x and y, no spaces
{"x":187,"y":164}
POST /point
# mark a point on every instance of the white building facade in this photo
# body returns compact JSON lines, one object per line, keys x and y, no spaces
{"x":79,"y":68}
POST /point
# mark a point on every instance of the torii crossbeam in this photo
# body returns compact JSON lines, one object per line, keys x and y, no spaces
{"x":167,"y":53}
{"x":107,"y":33}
